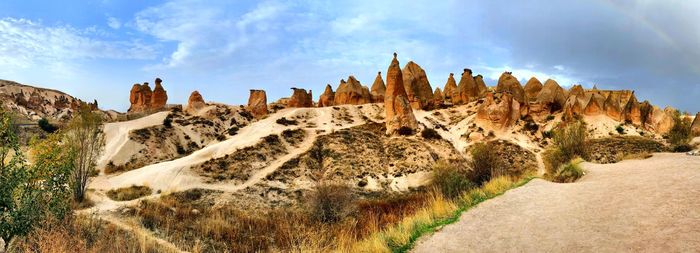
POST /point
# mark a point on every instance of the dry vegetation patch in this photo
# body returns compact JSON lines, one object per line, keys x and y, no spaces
{"x":129,"y":193}
{"x":618,"y":148}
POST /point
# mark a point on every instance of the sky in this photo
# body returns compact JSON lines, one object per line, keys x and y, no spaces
{"x":97,"y":49}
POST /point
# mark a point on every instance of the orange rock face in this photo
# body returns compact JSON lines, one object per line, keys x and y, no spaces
{"x":257,"y":103}
{"x":695,"y":127}
{"x":398,"y":110}
{"x":326,"y":99}
{"x":532,"y":89}
{"x":195,"y":103}
{"x":437,"y":96}
{"x":508,"y":83}
{"x":378,"y":89}
{"x":417,"y":86}
{"x":450,"y":88}
{"x":499,"y":112}
{"x":142,"y":99}
{"x":467,"y":89}
{"x":300,"y":98}
{"x":351,"y":93}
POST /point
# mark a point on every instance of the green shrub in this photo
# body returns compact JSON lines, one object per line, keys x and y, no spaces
{"x":168,"y":121}
{"x":46,"y":126}
{"x":331,"y":203}
{"x":619,"y":129}
{"x":571,"y":140}
{"x":680,"y":134}
{"x":450,"y":180}
{"x":429,"y":133}
{"x":485,"y":164}
{"x":549,"y":117}
{"x":405,"y":131}
{"x":569,"y":172}
{"x":286,"y":122}
{"x":129,"y":193}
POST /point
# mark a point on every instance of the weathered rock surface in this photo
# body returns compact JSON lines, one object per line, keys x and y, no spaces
{"x":417,"y":86}
{"x":300,"y":98}
{"x":467,"y":89}
{"x":144,"y":100}
{"x":508,"y":83}
{"x":195,"y":103}
{"x":695,"y":127}
{"x":499,"y":111}
{"x":160,"y":96}
{"x":378,"y":89}
{"x":327,"y":98}
{"x":532,"y":89}
{"x":257,"y":103}
{"x":450,"y":88}
{"x":351,"y":93}
{"x":398,"y":110}
{"x":480,"y":85}
{"x":438,"y":97}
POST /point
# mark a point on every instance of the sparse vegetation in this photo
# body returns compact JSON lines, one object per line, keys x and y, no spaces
{"x":620,"y":129}
{"x":405,"y":131}
{"x":129,"y":193}
{"x":450,"y":180}
{"x":569,"y":143}
{"x":680,"y":134}
{"x":568,"y":172}
{"x":84,"y":137}
{"x":330,"y":203}
{"x":168,"y":121}
{"x":286,"y":122}
{"x":46,"y":126}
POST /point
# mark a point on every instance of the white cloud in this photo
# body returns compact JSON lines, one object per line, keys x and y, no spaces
{"x":523,"y":75}
{"x":114,"y":23}
{"x":27,"y":43}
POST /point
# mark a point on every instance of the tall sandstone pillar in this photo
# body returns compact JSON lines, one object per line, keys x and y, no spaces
{"x":398,"y":110}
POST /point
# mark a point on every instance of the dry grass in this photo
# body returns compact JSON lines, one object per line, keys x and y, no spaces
{"x":129,"y":193}
{"x":638,"y":156}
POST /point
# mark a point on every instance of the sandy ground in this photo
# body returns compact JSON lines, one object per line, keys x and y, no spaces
{"x":648,"y":205}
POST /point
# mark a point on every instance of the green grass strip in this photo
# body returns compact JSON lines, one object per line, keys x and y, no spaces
{"x":430,"y":228}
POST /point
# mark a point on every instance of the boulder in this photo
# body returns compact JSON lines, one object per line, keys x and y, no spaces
{"x":450,"y":88}
{"x":300,"y":98}
{"x":140,"y":98}
{"x":532,"y":89}
{"x":508,"y":83}
{"x":159,"y":97}
{"x":327,"y":98}
{"x":351,"y":93}
{"x":378,"y":89}
{"x":417,"y":86}
{"x":195,"y":103}
{"x":398,"y":110}
{"x":257,"y":103}
{"x":695,"y":127}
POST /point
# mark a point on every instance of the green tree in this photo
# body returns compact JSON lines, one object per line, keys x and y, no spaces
{"x":85,"y":139}
{"x":29,"y":194}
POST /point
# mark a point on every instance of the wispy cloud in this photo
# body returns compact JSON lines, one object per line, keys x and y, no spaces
{"x":114,"y":23}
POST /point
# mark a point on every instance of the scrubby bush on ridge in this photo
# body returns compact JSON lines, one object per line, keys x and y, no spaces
{"x":485,"y":164}
{"x":450,"y":180}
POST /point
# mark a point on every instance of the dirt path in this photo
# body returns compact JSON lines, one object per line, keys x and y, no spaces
{"x":648,"y":205}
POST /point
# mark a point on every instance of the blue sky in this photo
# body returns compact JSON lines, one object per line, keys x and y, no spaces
{"x":98,"y":49}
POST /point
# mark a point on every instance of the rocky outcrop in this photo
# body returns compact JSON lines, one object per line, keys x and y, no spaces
{"x":195,"y":103}
{"x":144,"y":100}
{"x":595,"y":104}
{"x":378,"y":89}
{"x":532,"y":89}
{"x":351,"y":93}
{"x":480,"y":85}
{"x":660,"y":121}
{"x":450,"y":88}
{"x":417,"y":86}
{"x":159,"y":97}
{"x":327,"y":98}
{"x":695,"y":127}
{"x":300,"y":98}
{"x":398,"y":110}
{"x":257,"y":103}
{"x":438,"y":98}
{"x":467,"y":89}
{"x":508,"y":83}
{"x":632,"y":111}
{"x":499,"y":111}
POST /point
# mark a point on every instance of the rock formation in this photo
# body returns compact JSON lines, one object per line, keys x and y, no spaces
{"x":508,"y":83}
{"x":378,"y":89}
{"x":450,"y":88}
{"x":351,"y":93}
{"x":160,"y":96}
{"x":660,"y":121}
{"x":417,"y":86}
{"x":327,"y":98}
{"x":257,"y":103}
{"x":467,"y":89}
{"x":143,"y":100}
{"x":398,"y":110}
{"x":499,"y":111}
{"x":532,"y":89}
{"x":438,"y":98}
{"x":695,"y":127}
{"x":480,"y":85}
{"x":195,"y":103}
{"x":300,"y":98}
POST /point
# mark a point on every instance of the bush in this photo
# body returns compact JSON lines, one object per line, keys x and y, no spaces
{"x":286,"y":122}
{"x":485,"y":163}
{"x":553,"y":159}
{"x":619,"y":129}
{"x":46,"y":126}
{"x":168,"y":121}
{"x":129,"y":193}
{"x":549,"y":117}
{"x":568,"y":173}
{"x":405,"y":131}
{"x":571,"y":140}
{"x":331,"y":203}
{"x":430,"y":134}
{"x":680,"y":134}
{"x":450,"y":181}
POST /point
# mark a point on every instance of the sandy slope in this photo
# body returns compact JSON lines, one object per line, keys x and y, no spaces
{"x":117,"y":136}
{"x":648,"y":205}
